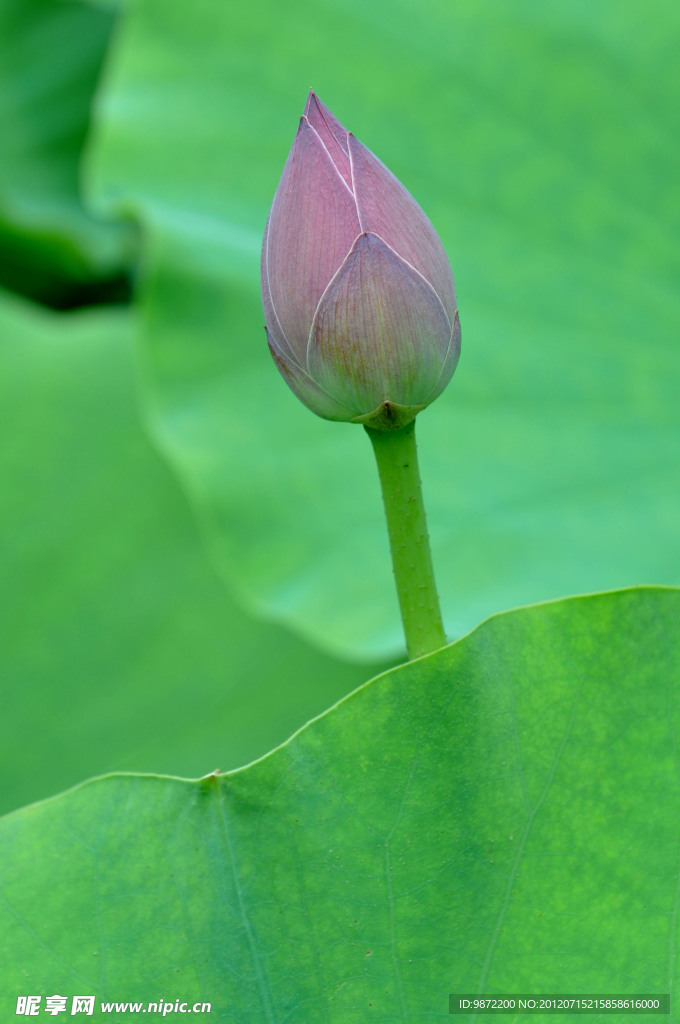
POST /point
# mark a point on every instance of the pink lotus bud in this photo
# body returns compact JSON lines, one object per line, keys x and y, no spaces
{"x":357,"y":290}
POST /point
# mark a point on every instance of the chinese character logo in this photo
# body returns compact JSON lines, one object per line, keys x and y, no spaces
{"x":82,"y":1004}
{"x":55,"y":1004}
{"x":29,"y":1006}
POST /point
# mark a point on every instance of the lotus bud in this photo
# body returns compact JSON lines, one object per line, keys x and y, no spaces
{"x":357,"y":289}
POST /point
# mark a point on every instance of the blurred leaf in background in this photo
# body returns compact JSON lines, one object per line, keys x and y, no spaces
{"x":119,"y":647}
{"x":541,"y":139}
{"x":51,"y":248}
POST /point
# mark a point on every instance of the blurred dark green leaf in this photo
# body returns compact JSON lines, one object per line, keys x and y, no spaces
{"x":119,"y":648}
{"x":542,"y":140}
{"x":51,"y":248}
{"x":502,"y":816}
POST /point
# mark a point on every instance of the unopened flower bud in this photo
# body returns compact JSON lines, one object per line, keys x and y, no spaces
{"x":357,"y":289}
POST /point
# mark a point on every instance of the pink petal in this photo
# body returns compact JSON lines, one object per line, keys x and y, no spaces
{"x":312,"y":225}
{"x":332,"y":134}
{"x":275,"y":332}
{"x":450,"y":361}
{"x":301,"y":384}
{"x":388,"y":210}
{"x":380,"y":332}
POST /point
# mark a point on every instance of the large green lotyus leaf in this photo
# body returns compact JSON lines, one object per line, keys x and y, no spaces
{"x":541,"y":139}
{"x":119,"y":647}
{"x":501,"y":816}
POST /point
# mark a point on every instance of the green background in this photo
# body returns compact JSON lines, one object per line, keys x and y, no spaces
{"x":192,"y":565}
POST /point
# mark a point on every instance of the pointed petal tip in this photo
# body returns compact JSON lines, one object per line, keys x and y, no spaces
{"x":313,"y":105}
{"x":320,"y":114}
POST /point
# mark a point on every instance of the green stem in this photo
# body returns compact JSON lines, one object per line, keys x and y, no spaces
{"x":397,"y":458}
